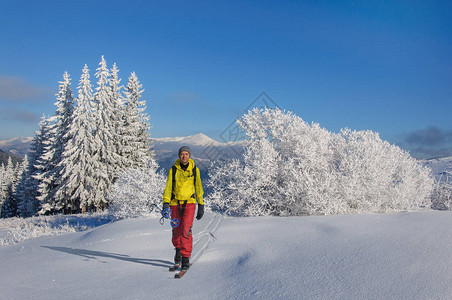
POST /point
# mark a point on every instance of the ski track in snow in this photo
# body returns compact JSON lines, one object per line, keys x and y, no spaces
{"x":204,"y":238}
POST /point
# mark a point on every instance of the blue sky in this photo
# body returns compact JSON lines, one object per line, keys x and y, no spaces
{"x":378,"y":65}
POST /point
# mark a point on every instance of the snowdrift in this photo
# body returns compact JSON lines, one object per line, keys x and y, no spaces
{"x":368,"y":256}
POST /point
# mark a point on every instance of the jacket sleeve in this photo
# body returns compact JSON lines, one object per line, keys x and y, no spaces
{"x":198,"y":188}
{"x":169,"y":187}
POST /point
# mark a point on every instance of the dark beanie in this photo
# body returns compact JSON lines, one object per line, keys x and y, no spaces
{"x":185,"y":148}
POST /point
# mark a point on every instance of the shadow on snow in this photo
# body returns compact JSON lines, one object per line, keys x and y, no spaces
{"x":91,"y":254}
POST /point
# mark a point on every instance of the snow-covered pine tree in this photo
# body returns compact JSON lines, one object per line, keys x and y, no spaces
{"x":78,"y":169}
{"x":9,"y":205}
{"x":61,"y":124}
{"x":41,"y":141}
{"x":27,"y":191}
{"x":104,"y":156}
{"x":4,"y":187}
{"x":27,"y":187}
{"x":2,"y":184}
{"x":136,"y":147}
{"x":20,"y":192}
{"x":118,"y":102}
{"x":46,"y":184}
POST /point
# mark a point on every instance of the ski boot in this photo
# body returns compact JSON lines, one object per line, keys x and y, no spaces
{"x":185,"y":263}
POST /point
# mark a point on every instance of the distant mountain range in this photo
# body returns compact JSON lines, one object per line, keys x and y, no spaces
{"x":204,"y":149}
{"x":18,"y":146}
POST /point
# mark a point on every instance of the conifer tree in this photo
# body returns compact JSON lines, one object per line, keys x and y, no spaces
{"x":117,"y":101}
{"x":27,"y":204}
{"x":60,"y":127}
{"x":136,"y":146}
{"x":3,"y":187}
{"x":77,"y":176}
{"x":104,"y":155}
{"x":44,"y":142}
{"x":27,"y":190}
{"x":29,"y":198}
{"x":9,"y":205}
{"x":2,"y":184}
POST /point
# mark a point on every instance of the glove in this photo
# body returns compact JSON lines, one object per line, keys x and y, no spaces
{"x":200,"y":212}
{"x":166,"y":210}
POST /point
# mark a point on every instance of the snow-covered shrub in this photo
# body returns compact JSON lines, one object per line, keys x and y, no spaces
{"x":442,"y":195}
{"x":136,"y":191}
{"x":375,"y":176}
{"x":15,"y":230}
{"x":292,"y":168}
{"x":226,"y":188}
{"x":286,"y":168}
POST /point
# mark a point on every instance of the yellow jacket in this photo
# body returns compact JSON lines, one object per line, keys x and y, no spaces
{"x":184,"y":189}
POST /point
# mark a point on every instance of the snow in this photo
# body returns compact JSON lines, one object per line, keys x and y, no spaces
{"x":14,"y":230}
{"x":204,"y":150}
{"x":376,"y":256}
{"x":197,"y":139}
{"x":441,"y":167}
{"x":18,"y":145}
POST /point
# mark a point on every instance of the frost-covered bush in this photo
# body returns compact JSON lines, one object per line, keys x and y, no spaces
{"x":442,"y":195}
{"x":375,"y":176}
{"x":284,"y":159}
{"x":290,"y":167}
{"x":15,"y":230}
{"x":136,"y":191}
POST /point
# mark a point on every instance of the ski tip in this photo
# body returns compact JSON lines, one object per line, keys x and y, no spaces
{"x":180,"y":274}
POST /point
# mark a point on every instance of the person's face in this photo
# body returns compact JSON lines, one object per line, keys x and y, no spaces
{"x":184,"y":157}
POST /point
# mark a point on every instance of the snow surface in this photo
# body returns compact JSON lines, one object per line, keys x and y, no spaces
{"x":368,"y":256}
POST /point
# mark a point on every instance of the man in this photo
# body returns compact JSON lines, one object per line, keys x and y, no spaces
{"x":183,"y":189}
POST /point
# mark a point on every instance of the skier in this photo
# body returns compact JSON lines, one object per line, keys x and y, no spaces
{"x":183,"y":189}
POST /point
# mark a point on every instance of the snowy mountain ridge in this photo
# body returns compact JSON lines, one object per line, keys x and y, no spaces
{"x":18,"y":146}
{"x":196,"y":139}
{"x":205,"y":150}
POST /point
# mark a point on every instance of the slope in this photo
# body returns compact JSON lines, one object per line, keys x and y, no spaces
{"x":405,"y":255}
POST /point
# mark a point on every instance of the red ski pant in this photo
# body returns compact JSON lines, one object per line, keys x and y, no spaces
{"x":182,"y":234}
